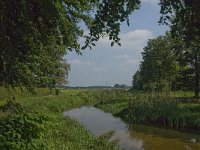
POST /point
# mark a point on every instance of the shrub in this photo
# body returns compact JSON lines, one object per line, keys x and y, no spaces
{"x":22,"y":129}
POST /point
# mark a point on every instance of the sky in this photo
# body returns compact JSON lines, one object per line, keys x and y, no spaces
{"x":104,"y":65}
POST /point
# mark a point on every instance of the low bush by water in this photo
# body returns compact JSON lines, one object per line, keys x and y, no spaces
{"x":153,"y":110}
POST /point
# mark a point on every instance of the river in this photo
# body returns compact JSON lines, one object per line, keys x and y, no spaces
{"x":133,"y":137}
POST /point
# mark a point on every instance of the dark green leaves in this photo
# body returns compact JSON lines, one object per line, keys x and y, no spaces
{"x":107,"y":19}
{"x":158,"y":68}
{"x":35,"y":35}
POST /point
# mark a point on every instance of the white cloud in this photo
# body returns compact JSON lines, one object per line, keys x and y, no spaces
{"x":80,"y":62}
{"x":136,"y":35}
{"x":136,"y":38}
{"x":75,"y":62}
{"x":122,"y":57}
{"x":88,"y":63}
{"x":131,"y":62}
{"x":106,"y":64}
{"x":133,"y":39}
{"x":126,"y":60}
{"x":100,"y":69}
{"x":150,"y":1}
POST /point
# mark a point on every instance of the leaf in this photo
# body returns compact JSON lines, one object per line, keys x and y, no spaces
{"x":112,"y":43}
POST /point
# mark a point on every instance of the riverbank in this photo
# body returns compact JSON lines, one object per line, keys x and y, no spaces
{"x":134,"y":136}
{"x":154,"y":110}
{"x":37,"y":122}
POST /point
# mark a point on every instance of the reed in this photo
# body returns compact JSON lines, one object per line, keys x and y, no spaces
{"x":156,"y":110}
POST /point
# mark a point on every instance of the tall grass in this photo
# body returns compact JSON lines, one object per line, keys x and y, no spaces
{"x":23,"y":92}
{"x":154,"y":110}
{"x":163,"y":111}
{"x":44,"y":121}
{"x":188,"y":94}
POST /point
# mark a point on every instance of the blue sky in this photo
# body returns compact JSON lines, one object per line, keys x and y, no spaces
{"x":106,"y":65}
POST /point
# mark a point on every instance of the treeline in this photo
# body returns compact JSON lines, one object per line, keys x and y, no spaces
{"x":165,"y":67}
{"x":171,"y":62}
{"x":36,"y":35}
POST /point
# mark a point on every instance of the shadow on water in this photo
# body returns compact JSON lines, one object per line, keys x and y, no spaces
{"x":133,"y":137}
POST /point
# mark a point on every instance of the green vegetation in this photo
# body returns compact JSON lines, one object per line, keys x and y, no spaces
{"x":37,"y":122}
{"x":158,"y":68}
{"x":183,"y":94}
{"x":164,"y":69}
{"x":35,"y":35}
{"x":148,"y":109}
{"x":183,"y":17}
{"x":171,"y":62}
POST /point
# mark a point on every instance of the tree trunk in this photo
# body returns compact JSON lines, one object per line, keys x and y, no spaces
{"x":196,"y":77}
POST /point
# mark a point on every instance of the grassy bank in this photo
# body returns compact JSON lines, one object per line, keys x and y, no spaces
{"x":151,"y":110}
{"x":37,"y":122}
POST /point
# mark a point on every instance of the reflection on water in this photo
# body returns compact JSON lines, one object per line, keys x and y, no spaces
{"x":134,"y":137}
{"x":164,"y":139}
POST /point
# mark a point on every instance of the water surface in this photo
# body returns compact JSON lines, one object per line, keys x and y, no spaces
{"x":133,"y":137}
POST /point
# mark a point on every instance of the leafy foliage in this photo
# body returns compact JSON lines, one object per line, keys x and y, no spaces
{"x":153,"y":110}
{"x":21,"y":129}
{"x":184,"y":19}
{"x":107,"y":19}
{"x":37,"y":122}
{"x":158,"y":68}
{"x":36,"y":34}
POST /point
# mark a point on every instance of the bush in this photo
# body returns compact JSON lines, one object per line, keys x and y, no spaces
{"x":21,"y":130}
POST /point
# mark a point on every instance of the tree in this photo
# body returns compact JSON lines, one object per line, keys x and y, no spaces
{"x":36,"y":34}
{"x":184,"y":79}
{"x":116,"y":86}
{"x":184,"y":19}
{"x":137,"y":83}
{"x":159,"y":67}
